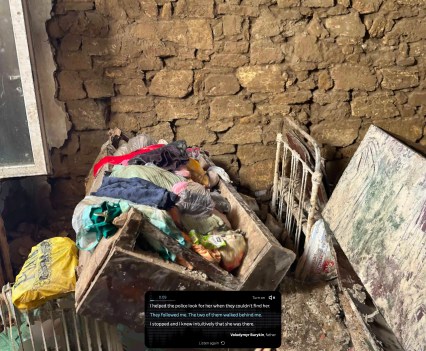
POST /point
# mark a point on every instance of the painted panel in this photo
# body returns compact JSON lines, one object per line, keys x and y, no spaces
{"x":378,"y":215}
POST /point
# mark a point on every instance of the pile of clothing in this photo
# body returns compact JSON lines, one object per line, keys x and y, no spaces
{"x":173,"y":186}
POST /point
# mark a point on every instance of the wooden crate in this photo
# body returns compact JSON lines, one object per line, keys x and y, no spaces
{"x":113,"y":280}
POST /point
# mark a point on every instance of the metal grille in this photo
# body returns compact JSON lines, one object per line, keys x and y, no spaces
{"x":53,"y":326}
{"x":297,"y":182}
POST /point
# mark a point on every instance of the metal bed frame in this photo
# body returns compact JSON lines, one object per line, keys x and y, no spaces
{"x":296,"y":184}
{"x":54,"y":326}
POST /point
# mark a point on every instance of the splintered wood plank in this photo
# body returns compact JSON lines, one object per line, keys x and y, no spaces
{"x":213,"y":271}
{"x":94,"y":262}
{"x":117,"y":293}
{"x":266,"y":261}
{"x":378,"y":215}
{"x":4,"y":254}
{"x":92,"y":183}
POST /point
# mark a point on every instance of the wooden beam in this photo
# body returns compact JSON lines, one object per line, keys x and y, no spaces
{"x":5,"y":255}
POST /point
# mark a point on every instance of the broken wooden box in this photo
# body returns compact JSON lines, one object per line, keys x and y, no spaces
{"x":113,"y":280}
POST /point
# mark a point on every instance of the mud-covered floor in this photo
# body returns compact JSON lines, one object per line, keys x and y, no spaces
{"x":311,"y":318}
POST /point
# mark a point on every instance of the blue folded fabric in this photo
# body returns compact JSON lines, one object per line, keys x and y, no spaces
{"x":137,"y":190}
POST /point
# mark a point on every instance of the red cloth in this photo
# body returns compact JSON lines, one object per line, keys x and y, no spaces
{"x":116,"y":160}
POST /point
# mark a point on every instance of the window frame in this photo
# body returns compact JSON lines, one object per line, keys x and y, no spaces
{"x":33,"y":113}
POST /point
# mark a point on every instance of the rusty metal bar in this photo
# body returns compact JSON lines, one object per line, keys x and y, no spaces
{"x":296,"y":186}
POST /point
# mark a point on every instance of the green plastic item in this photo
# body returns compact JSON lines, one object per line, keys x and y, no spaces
{"x":11,"y":341}
{"x":209,"y":241}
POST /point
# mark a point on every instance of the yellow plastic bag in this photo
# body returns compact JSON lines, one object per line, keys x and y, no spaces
{"x":48,"y":272}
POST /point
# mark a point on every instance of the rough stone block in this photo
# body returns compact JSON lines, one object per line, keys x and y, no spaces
{"x":99,"y":88}
{"x":411,"y":2}
{"x":239,"y":47}
{"x":323,"y":98}
{"x":379,"y":105}
{"x":174,"y":63}
{"x":267,"y":79}
{"x":316,"y":28}
{"x":132,"y":8}
{"x":131,"y":104}
{"x":346,"y":25}
{"x":288,"y":3}
{"x":418,"y":48}
{"x":267,"y":25}
{"x":87,"y":114}
{"x":101,"y":46}
{"x":221,"y":84}
{"x":408,"y":29}
{"x":270,"y":130}
{"x":252,"y":153}
{"x":220,"y":149}
{"x":306,"y":48}
{"x":243,"y":134}
{"x":170,"y":109}
{"x":324,"y":80}
{"x":232,"y":25}
{"x":134,"y":87}
{"x":147,"y":29}
{"x":264,"y":51}
{"x":172,"y":83}
{"x":64,"y":7}
{"x":120,"y":73}
{"x":258,"y":176}
{"x":195,"y":8}
{"x":229,"y":60}
{"x":71,"y":42}
{"x":336,"y":133}
{"x":363,"y":6}
{"x":273,"y":108}
{"x":70,"y":86}
{"x":74,"y":60}
{"x":417,"y":98}
{"x":410,"y":129}
{"x":127,"y":122}
{"x":347,"y":77}
{"x":318,"y":3}
{"x":195,"y":134}
{"x":292,"y":97}
{"x":230,"y":106}
{"x":220,"y":125}
{"x":149,"y":63}
{"x":249,"y":11}
{"x":335,"y":110}
{"x":397,"y":78}
{"x":193,"y":33}
{"x":160,"y":131}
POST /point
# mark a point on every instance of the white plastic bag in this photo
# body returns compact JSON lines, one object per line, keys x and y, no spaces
{"x":318,"y":260}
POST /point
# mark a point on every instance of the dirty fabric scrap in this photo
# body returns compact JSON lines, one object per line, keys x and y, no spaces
{"x":169,"y":157}
{"x":137,"y":190}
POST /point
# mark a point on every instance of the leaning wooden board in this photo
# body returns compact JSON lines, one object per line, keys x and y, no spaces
{"x":378,"y":215}
{"x":114,"y":278}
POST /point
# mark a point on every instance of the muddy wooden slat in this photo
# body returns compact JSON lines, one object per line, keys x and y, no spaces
{"x":266,"y":262}
{"x":117,"y":294}
{"x":378,"y":215}
{"x":5,"y":256}
{"x":214,"y":272}
{"x":92,"y":182}
{"x":94,"y":262}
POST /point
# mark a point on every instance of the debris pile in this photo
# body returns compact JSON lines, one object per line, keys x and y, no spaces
{"x":175,"y":188}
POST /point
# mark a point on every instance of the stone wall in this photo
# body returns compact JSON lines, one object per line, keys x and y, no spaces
{"x":224,"y":74}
